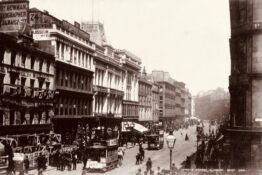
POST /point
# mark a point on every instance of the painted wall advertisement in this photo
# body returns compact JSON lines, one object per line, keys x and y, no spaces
{"x":13,"y":14}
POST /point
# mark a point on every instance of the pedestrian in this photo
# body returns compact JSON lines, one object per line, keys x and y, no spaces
{"x":186,"y":138}
{"x":120,"y":157}
{"x":11,"y":165}
{"x":158,"y":171}
{"x":149,"y":164}
{"x":84,"y":156}
{"x":40,"y":164}
{"x":137,"y":158}
{"x":84,"y":171}
{"x":139,"y":172}
{"x":142,"y":153}
{"x":173,"y":169}
{"x":188,"y":163}
{"x":74,"y":160}
{"x":26,"y":164}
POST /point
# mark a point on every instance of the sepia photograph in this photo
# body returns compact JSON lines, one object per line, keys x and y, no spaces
{"x":131,"y":87}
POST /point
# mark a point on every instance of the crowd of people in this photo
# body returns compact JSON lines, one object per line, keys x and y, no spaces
{"x":210,"y":154}
{"x":65,"y":159}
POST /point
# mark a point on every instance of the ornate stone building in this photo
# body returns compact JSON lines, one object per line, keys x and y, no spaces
{"x":244,"y":134}
{"x":26,"y":86}
{"x":131,"y":65}
{"x":73,"y":52}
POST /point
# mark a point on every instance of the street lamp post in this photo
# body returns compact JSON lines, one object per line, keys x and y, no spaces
{"x":170,"y":140}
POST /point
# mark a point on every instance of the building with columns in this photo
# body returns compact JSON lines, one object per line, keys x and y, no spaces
{"x":108,"y":85}
{"x":145,"y":99}
{"x":26,"y":87}
{"x":131,"y":65}
{"x":244,"y":133}
{"x":74,"y":54}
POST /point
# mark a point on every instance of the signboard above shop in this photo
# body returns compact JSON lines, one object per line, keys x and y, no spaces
{"x":13,"y":15}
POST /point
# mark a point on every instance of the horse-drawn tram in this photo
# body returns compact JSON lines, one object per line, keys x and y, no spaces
{"x":102,"y":156}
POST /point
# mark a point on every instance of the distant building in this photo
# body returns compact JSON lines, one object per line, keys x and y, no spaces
{"x":188,"y":103}
{"x":212,"y":104}
{"x":26,"y":86}
{"x":73,"y":52}
{"x":172,"y":95}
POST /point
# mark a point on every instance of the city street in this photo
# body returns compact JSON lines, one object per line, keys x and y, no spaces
{"x":159,"y":157}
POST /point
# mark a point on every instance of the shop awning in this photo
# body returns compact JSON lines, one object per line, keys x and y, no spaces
{"x":129,"y":126}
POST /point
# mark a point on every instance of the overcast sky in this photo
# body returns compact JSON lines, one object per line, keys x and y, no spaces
{"x":187,"y":38}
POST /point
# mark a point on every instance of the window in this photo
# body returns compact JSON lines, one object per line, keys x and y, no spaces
{"x":47,"y":84}
{"x":41,"y":82}
{"x":47,"y":66}
{"x":32,"y":63}
{"x":32,"y":83}
{"x":1,"y":118}
{"x":2,"y":54}
{"x":13,"y":55}
{"x":23,"y":79}
{"x":66,"y":80}
{"x":13,"y":78}
{"x":40,"y":65}
{"x":23,"y":59}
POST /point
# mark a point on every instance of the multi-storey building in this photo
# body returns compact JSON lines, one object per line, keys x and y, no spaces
{"x":108,"y":82}
{"x":108,"y":85}
{"x":172,"y":95}
{"x":73,"y":52}
{"x":131,"y":66}
{"x":188,"y":103}
{"x":26,"y":86}
{"x":245,"y":84}
{"x":155,"y":102}
{"x":180,"y":98}
{"x":145,"y":100}
{"x":167,"y":94}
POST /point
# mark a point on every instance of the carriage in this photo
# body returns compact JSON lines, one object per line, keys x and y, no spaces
{"x":102,"y":157}
{"x":155,"y":140}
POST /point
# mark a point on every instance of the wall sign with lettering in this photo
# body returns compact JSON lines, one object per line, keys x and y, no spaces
{"x":13,"y":14}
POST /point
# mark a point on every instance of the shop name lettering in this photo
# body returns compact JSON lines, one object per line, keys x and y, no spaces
{"x":12,"y":14}
{"x":12,"y":22}
{"x":11,"y":7}
{"x":13,"y":18}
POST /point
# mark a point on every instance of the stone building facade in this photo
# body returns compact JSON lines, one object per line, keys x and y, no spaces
{"x":145,"y":99}
{"x":131,"y":65}
{"x":244,"y":134}
{"x":172,"y":96}
{"x":26,"y":86}
{"x":74,"y":53}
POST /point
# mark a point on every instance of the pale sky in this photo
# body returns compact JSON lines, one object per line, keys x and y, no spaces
{"x":187,"y":38}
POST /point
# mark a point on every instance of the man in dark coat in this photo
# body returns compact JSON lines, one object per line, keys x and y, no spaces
{"x":148,"y":164}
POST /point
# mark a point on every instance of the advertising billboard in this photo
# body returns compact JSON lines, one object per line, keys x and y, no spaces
{"x":13,"y":14}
